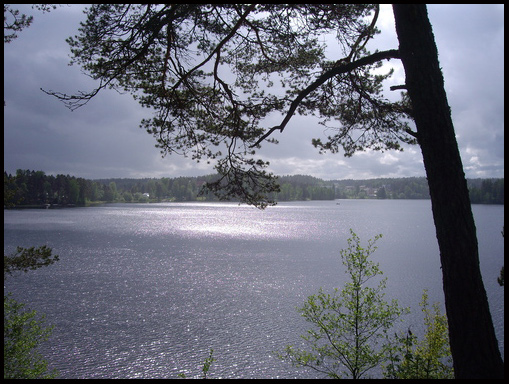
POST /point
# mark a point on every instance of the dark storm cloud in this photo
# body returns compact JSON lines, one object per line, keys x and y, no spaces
{"x":103,"y":139}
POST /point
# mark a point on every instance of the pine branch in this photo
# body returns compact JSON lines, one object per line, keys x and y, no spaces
{"x":344,"y":68}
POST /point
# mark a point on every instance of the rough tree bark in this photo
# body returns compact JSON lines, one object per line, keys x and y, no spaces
{"x":473,"y":342}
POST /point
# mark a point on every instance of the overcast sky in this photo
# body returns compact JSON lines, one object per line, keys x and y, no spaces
{"x":103,"y":138}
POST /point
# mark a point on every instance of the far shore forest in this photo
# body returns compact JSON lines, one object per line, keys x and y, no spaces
{"x":36,"y":189}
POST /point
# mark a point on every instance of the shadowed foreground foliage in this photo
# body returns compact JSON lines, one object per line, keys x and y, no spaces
{"x":24,"y":330}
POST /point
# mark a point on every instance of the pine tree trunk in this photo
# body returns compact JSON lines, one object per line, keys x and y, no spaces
{"x":473,"y":342}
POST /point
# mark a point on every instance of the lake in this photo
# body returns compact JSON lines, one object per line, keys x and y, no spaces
{"x":145,"y":290}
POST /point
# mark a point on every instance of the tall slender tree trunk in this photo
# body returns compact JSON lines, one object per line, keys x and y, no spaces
{"x":472,"y":337}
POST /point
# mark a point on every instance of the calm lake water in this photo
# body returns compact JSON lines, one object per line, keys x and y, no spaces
{"x":145,"y":290}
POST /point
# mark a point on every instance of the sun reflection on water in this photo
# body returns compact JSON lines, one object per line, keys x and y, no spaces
{"x":219,"y":220}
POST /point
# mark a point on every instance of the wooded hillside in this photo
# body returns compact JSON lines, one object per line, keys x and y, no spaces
{"x":35,"y":188}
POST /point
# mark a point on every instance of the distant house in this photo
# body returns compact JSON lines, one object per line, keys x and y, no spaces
{"x":147,"y":195}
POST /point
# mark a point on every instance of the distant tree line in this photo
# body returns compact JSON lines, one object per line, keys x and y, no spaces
{"x":385,"y":188}
{"x":486,"y":191}
{"x":482,"y":191}
{"x":35,"y":188}
{"x":301,"y":187}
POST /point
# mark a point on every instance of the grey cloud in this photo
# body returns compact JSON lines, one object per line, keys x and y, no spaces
{"x":103,"y":139}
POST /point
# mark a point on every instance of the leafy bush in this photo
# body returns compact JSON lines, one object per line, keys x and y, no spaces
{"x":429,"y":358}
{"x":350,"y":326}
{"x":23,"y":333}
